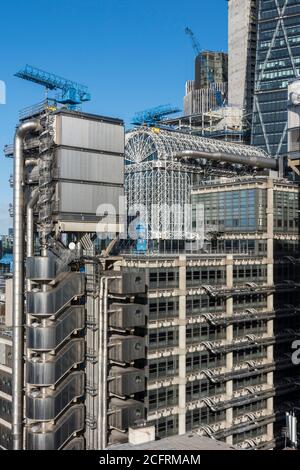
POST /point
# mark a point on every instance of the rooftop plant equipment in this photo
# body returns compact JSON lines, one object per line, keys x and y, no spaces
{"x":153,"y":116}
{"x":72,"y":93}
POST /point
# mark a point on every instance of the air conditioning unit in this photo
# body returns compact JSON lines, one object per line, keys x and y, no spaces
{"x":132,"y":282}
{"x":124,"y":349}
{"x":126,"y":381}
{"x":127,"y":315}
{"x":125,"y":413}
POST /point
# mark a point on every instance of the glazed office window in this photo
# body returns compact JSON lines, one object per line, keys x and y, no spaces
{"x":203,"y":417}
{"x":163,"y":278}
{"x":162,"y":397}
{"x":286,"y":211}
{"x":203,"y":360}
{"x":256,"y":432}
{"x":196,"y":276}
{"x":244,"y":301}
{"x":242,"y":355}
{"x":255,"y":273}
{"x":204,"y":332}
{"x":163,"y":338}
{"x":249,"y":408}
{"x":166,"y":426}
{"x":249,"y":327}
{"x":160,"y":309}
{"x":249,"y":381}
{"x":163,"y":367}
{"x":203,"y":388}
{"x":195,"y":305}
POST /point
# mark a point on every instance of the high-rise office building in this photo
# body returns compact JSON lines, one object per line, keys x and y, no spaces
{"x":209,"y":88}
{"x":242,"y":31}
{"x":277,"y":63}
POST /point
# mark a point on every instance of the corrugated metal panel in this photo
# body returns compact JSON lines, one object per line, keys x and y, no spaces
{"x":86,"y":198}
{"x":88,"y":166}
{"x":74,"y":131}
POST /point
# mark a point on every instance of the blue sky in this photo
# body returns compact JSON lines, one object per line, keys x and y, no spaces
{"x":132,"y":54}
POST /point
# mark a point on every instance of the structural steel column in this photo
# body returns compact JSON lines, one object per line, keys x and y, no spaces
{"x":270,"y":281}
{"x":182,"y":346}
{"x":229,"y":338}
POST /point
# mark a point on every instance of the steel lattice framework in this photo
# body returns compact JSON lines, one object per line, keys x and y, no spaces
{"x":156,"y":182}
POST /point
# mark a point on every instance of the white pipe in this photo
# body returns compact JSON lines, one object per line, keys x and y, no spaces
{"x":18,"y":283}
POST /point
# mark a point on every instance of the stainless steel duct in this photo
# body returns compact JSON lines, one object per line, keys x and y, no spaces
{"x":254,"y":161}
{"x":18,"y":282}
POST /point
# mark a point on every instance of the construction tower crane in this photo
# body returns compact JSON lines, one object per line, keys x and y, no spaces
{"x":153,"y":116}
{"x":200,"y":52}
{"x":72,"y":93}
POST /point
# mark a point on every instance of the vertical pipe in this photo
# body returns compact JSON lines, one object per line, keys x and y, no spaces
{"x":100,"y":367}
{"x":105,"y":346}
{"x":18,"y":283}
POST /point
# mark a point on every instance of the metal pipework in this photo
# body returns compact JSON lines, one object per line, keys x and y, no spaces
{"x":254,"y":161}
{"x":18,"y":283}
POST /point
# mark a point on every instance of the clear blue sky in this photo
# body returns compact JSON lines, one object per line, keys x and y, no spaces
{"x":132,"y":54}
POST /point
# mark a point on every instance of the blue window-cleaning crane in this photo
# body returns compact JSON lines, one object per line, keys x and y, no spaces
{"x":200,"y":52}
{"x":151,"y":117}
{"x":72,"y":93}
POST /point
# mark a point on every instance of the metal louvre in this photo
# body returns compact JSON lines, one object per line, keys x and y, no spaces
{"x":54,"y":368}
{"x":55,"y":436}
{"x":85,"y":132}
{"x":40,"y":407}
{"x":48,"y":337}
{"x":73,"y":164}
{"x":80,"y":198}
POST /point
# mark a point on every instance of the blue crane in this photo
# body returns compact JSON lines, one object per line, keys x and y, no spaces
{"x":153,"y":116}
{"x":200,"y":52}
{"x":72,"y":93}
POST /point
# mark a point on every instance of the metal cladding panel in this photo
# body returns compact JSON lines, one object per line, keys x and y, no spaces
{"x":41,"y":268}
{"x":5,"y":409}
{"x":5,"y":382}
{"x":56,"y":435}
{"x":126,"y":413}
{"x":75,"y":444}
{"x":130,"y":282}
{"x":46,"y":408}
{"x":5,"y":438}
{"x":6,"y":355}
{"x":83,"y":198}
{"x":127,"y":315}
{"x":125,"y":349}
{"x":126,"y":381}
{"x":50,"y":372}
{"x":53,"y":301}
{"x":84,"y":133}
{"x":74,"y":164}
{"x":49,"y":337}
